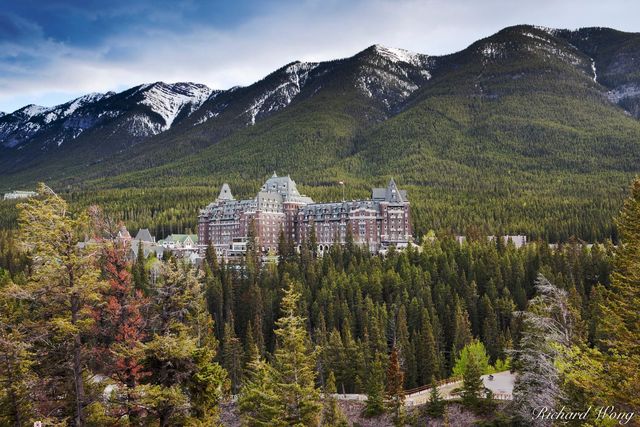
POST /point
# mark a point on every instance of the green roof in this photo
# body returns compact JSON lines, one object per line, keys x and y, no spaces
{"x":180,"y":238}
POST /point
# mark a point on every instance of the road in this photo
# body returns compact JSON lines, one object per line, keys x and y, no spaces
{"x":501,"y":385}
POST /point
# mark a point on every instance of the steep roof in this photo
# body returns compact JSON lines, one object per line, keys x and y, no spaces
{"x":286,"y":187}
{"x":144,"y":235}
{"x":389,"y":194}
{"x":225,"y":193}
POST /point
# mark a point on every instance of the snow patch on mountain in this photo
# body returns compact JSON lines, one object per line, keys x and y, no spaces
{"x":169,"y":100}
{"x":65,"y":110}
{"x":31,"y":110}
{"x":295,"y":77}
{"x":394,"y":54}
{"x":550,"y":31}
{"x":493,"y":50}
{"x":142,"y":126}
{"x":536,"y":37}
{"x":206,"y":116}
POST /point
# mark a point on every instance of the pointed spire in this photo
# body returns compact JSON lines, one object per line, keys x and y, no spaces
{"x":274,"y":175}
{"x":225,"y":192}
{"x":392,"y":193}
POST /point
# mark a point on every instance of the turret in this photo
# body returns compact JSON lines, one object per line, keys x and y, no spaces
{"x":225,"y":193}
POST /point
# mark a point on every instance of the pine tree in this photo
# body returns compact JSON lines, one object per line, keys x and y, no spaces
{"x":284,"y":393}
{"x":294,"y":364}
{"x":462,"y":330}
{"x":232,"y":356}
{"x":406,"y":353}
{"x":259,"y":402}
{"x":140,"y":275}
{"x":395,"y":389}
{"x":436,"y":406}
{"x":63,"y":285}
{"x":619,"y":330}
{"x":472,"y":385}
{"x":215,"y":298}
{"x":332,"y":415}
{"x":490,"y":334}
{"x":428,"y":360}
{"x":185,"y":382}
{"x":374,"y":405}
{"x":18,"y":380}
{"x":211,"y":259}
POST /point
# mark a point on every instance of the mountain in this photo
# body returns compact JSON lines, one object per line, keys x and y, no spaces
{"x":530,"y":130}
{"x":106,"y":122}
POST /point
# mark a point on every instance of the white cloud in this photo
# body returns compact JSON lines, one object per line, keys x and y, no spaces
{"x":309,"y":31}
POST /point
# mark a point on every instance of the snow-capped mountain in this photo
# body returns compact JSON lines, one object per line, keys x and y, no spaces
{"x":139,"y":112}
{"x":158,"y":122}
{"x":391,"y":74}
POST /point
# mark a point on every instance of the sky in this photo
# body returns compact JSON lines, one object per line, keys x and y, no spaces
{"x":52,"y":51}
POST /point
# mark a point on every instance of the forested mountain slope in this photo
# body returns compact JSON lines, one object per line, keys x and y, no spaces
{"x":530,"y":130}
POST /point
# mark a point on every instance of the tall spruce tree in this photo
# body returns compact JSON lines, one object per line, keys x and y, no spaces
{"x":185,"y":383}
{"x":374,"y":387}
{"x":18,"y":380}
{"x":140,"y":275}
{"x":294,"y":364}
{"x":436,"y":406}
{"x":259,"y":403}
{"x":427,"y":358}
{"x":395,"y":388}
{"x":284,"y":393}
{"x":232,"y":356}
{"x":63,"y":285}
{"x":332,"y":415}
{"x":619,"y":329}
{"x":472,"y":386}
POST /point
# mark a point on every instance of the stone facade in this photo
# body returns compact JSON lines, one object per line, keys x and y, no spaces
{"x":378,"y":222}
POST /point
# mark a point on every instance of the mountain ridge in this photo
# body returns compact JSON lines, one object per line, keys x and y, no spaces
{"x":174,"y":104}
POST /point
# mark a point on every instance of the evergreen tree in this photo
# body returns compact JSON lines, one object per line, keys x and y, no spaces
{"x":63,"y":285}
{"x":140,"y":275}
{"x":472,"y":387}
{"x":490,"y":335}
{"x":461,"y":329}
{"x":259,"y":402}
{"x":619,"y":330}
{"x":436,"y":406}
{"x":232,"y":356}
{"x":374,"y":405}
{"x":405,"y":349}
{"x":185,"y":382}
{"x":285,"y":391}
{"x":211,"y":258}
{"x":332,"y":415}
{"x":427,"y":357}
{"x":16,"y":360}
{"x":294,"y":364}
{"x":395,"y":389}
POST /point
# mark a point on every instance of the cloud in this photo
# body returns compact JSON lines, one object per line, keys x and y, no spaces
{"x":223,"y":46}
